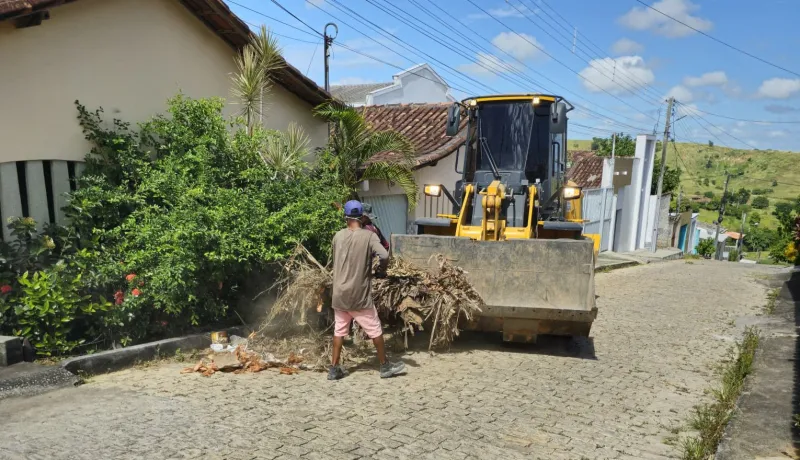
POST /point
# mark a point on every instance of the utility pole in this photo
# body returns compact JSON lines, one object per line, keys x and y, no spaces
{"x":741,"y":235}
{"x":718,"y":253}
{"x":328,"y":41}
{"x":660,"y":187}
{"x":678,"y":204}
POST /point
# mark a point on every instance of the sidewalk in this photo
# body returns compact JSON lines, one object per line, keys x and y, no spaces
{"x":611,"y":260}
{"x":763,"y":427}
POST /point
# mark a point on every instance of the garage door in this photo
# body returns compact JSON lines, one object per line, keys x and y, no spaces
{"x":391,"y":212}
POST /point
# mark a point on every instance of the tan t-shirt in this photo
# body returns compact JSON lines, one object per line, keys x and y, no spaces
{"x":352,"y":268}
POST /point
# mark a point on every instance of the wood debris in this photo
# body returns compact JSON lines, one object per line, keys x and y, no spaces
{"x":242,"y":361}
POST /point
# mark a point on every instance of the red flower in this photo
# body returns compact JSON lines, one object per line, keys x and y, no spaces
{"x":5,"y":289}
{"x":135,"y":292}
{"x":130,"y":277}
{"x":119,"y":297}
{"x":164,"y":323}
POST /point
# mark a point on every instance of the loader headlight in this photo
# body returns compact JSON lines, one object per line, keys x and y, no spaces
{"x":570,"y":193}
{"x":433,"y":190}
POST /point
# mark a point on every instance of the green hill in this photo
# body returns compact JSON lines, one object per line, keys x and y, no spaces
{"x":703,"y":170}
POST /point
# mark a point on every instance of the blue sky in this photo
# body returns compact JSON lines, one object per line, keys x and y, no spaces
{"x":627,"y":58}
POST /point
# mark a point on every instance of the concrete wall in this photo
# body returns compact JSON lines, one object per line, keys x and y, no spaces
{"x":418,"y":85}
{"x":128,"y":57}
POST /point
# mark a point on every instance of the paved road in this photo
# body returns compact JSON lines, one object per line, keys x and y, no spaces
{"x":661,"y":328}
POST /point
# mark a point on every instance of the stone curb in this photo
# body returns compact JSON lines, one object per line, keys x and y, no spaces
{"x":114,"y":360}
{"x":616,"y":266}
{"x":27,"y":379}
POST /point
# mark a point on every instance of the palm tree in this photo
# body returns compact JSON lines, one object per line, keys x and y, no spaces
{"x":353,"y":146}
{"x":252,"y":81}
{"x":284,"y":152}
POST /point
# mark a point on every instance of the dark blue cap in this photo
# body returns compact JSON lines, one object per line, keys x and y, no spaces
{"x":353,"y":209}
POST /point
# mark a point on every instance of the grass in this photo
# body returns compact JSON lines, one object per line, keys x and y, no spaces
{"x":772,"y":298}
{"x":760,"y":167}
{"x":709,"y":420}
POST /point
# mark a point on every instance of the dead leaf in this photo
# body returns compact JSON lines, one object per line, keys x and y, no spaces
{"x":288,"y":370}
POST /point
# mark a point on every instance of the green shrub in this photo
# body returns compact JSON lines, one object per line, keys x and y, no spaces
{"x":760,"y":202}
{"x":709,"y":194}
{"x":706,"y":247}
{"x":733,"y":255}
{"x":175,"y":217}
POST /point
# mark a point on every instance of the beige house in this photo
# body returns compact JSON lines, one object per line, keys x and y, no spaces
{"x":436,"y":155}
{"x":128,"y":56}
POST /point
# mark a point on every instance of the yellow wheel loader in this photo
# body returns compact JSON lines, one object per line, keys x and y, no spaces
{"x":516,"y":225}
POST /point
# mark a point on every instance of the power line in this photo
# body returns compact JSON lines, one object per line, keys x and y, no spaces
{"x":720,"y":41}
{"x":553,"y":57}
{"x":397,"y":41}
{"x":271,"y":18}
{"x":455,"y":19}
{"x":278,"y":4}
{"x":745,"y":120}
{"x":622,"y":73}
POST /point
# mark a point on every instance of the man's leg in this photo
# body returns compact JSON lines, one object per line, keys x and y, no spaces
{"x":379,"y":347}
{"x":337,"y":350}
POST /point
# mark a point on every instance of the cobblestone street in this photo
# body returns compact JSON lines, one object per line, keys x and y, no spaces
{"x":660,"y":330}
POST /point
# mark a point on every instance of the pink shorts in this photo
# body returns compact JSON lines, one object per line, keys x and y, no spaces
{"x":366,"y":318}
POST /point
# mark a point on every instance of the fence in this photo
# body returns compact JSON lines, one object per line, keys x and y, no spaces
{"x":595,"y":221}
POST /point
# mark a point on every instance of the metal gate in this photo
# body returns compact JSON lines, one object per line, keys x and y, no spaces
{"x":391,"y":212}
{"x":593,"y":208}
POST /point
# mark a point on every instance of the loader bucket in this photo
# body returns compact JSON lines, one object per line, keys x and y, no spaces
{"x":530,"y":287}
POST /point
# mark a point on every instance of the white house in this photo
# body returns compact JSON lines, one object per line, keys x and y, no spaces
{"x":127,"y":56}
{"x":436,"y":153}
{"x":419,"y":84}
{"x":617,"y":203}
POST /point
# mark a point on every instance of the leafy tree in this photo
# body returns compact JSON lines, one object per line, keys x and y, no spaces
{"x":353,"y":145}
{"x":625,"y":146}
{"x":672,"y":178}
{"x":760,"y":202}
{"x":709,"y":194}
{"x":706,"y":247}
{"x":705,"y":181}
{"x":710,"y":143}
{"x":742,"y":196}
{"x":774,"y":183}
{"x":758,"y":239}
{"x":709,"y":164}
{"x":754,"y":218}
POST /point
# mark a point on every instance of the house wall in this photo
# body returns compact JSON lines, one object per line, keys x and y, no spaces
{"x":443,"y":172}
{"x":126,"y":56}
{"x":416,"y":87}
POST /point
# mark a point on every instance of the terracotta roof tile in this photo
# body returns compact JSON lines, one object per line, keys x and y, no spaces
{"x":423,"y":124}
{"x":586,"y":170}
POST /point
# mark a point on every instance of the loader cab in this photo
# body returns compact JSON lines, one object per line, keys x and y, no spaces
{"x":521,"y":139}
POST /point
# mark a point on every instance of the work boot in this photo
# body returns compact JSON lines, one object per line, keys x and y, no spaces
{"x":336,"y":372}
{"x":389,"y":369}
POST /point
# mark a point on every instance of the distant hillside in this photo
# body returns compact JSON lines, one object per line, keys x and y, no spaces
{"x":704,"y":170}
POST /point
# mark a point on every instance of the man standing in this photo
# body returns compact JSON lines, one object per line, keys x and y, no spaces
{"x":353,"y":249}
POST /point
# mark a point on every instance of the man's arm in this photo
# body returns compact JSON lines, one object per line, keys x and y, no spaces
{"x":377,"y":248}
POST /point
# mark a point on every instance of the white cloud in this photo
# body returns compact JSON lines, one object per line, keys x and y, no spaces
{"x":521,"y":46}
{"x":626,"y":47}
{"x":503,"y":12}
{"x":623,"y":75}
{"x":687,"y":109}
{"x":485,"y":65}
{"x":643,"y":18}
{"x":681,"y":93}
{"x":717,"y":78}
{"x":777,"y":133}
{"x":352,"y":81}
{"x":779,"y":88}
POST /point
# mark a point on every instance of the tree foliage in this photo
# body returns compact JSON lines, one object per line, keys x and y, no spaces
{"x":760,"y":202}
{"x":352,"y":147}
{"x":706,"y":247}
{"x":672,"y":178}
{"x":625,"y":145}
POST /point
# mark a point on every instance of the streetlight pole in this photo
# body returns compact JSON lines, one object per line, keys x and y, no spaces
{"x":660,"y":187}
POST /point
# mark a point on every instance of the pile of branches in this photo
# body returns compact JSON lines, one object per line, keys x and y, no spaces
{"x":409,"y":298}
{"x":242,"y":361}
